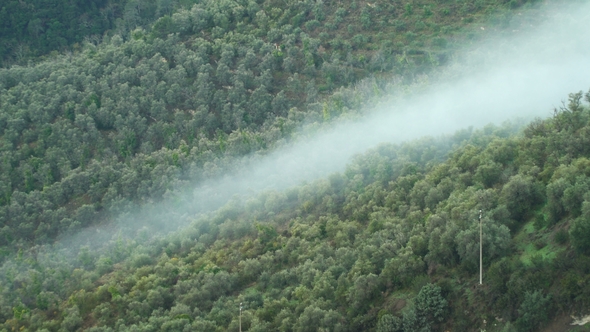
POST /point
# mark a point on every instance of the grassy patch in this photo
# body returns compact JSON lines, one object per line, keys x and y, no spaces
{"x":531,"y":244}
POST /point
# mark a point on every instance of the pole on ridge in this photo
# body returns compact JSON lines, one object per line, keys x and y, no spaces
{"x":480,"y":250}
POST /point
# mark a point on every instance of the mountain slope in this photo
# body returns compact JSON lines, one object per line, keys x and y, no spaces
{"x":86,"y":135}
{"x":389,"y":244}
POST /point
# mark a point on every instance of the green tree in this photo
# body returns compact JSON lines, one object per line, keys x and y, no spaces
{"x":520,"y":195}
{"x":534,"y":311}
{"x":389,"y":323}
{"x":72,"y":320}
{"x":496,"y":238}
{"x":429,"y":309}
{"x":580,"y":230}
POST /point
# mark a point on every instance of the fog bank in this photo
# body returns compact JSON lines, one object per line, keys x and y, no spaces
{"x":524,"y":73}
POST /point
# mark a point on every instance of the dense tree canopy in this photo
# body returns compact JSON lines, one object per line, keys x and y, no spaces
{"x":387,"y":245}
{"x":125,"y":120}
{"x":150,"y":96}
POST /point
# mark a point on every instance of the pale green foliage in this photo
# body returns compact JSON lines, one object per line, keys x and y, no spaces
{"x":389,"y":323}
{"x":72,"y":320}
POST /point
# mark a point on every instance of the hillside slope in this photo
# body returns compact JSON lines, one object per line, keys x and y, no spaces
{"x":389,"y":245}
{"x":87,"y":135}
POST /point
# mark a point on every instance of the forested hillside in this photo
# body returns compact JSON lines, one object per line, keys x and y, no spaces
{"x":388,"y":245}
{"x":31,"y":29}
{"x":86,"y":135}
{"x":109,"y":107}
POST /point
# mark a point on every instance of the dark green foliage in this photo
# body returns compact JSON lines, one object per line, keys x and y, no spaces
{"x":489,"y":174}
{"x":561,"y":236}
{"x":430,"y":307}
{"x":534,"y":311}
{"x":580,"y":230}
{"x":520,"y":195}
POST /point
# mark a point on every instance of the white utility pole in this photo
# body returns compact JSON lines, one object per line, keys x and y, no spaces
{"x":480,"y":249}
{"x":240,"y":316}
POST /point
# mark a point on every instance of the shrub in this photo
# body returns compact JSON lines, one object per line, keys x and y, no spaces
{"x":520,"y":194}
{"x":311,"y":25}
{"x":429,"y":308}
{"x":389,"y":323}
{"x":580,"y":235}
{"x":561,"y":236}
{"x":533,"y":311}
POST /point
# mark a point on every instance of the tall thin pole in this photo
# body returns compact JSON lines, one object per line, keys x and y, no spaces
{"x":480,"y":249}
{"x":240,"y":316}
